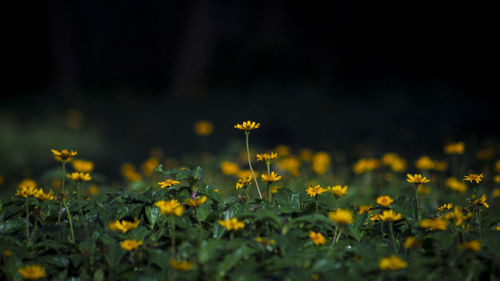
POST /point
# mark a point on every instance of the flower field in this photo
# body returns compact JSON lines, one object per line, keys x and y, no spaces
{"x":277,"y":213}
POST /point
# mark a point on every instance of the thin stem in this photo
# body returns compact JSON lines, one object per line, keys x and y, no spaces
{"x":334,"y":236}
{"x":339,"y":234}
{"x":69,"y":219}
{"x":417,"y":215}
{"x":62,"y":190}
{"x":27,"y":219}
{"x":247,"y":133}
{"x":268,"y":191}
{"x":393,"y":239}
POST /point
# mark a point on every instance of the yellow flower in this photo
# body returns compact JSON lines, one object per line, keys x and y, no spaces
{"x":129,"y":172}
{"x":94,"y":189}
{"x":392,"y":263}
{"x":417,"y":179}
{"x":123,"y":225}
{"x":203,"y":128}
{"x":181,"y":265}
{"x":32,"y":272}
{"x":337,"y":190}
{"x":27,"y":188}
{"x":445,"y":206}
{"x":130,"y":244}
{"x":321,"y":162}
{"x":264,"y":241}
{"x":290,"y":164}
{"x":384,"y":200}
{"x":474,"y":245}
{"x":364,"y":209}
{"x":481,"y":201}
{"x":79,"y":176}
{"x":172,"y":207}
{"x":40,"y":195}
{"x":376,"y":217}
{"x":306,"y":155}
{"x":243,"y":182}
{"x":246,"y":173}
{"x":63,"y":155}
{"x":247,"y":126}
{"x":497,"y":228}
{"x":455,"y":184}
{"x":496,"y":192}
{"x":388,"y":158}
{"x":496,"y":179}
{"x":267,"y":156}
{"x":149,"y":165}
{"x":390,"y":216}
{"x":82,"y":166}
{"x":411,"y":242}
{"x":398,"y":165}
{"x":365,"y":165}
{"x":341,"y":216}
{"x":272,"y":177}
{"x":474,"y":177}
{"x":229,"y":168}
{"x":196,"y":202}
{"x":317,"y":238}
{"x":425,"y":163}
{"x":282,"y":150}
{"x":434,"y":224}
{"x":313,"y":191}
{"x":232,"y":224}
{"x":457,"y":215}
{"x":423,"y":190}
{"x":455,"y":148}
{"x":168,"y":183}
{"x":274,"y":189}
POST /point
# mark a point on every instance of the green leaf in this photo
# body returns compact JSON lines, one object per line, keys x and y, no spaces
{"x":152,"y":213}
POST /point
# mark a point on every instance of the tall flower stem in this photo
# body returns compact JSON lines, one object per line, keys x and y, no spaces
{"x":393,"y":239}
{"x":417,"y":215}
{"x":268,"y":191}
{"x":247,"y":133}
{"x":69,"y":219}
{"x":62,"y":190}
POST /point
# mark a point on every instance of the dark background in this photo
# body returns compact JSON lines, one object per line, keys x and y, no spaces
{"x":395,"y":76}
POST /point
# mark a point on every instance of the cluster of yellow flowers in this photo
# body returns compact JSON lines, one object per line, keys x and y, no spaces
{"x":29,"y":188}
{"x":267,"y":156}
{"x":317,"y":238}
{"x":454,"y":184}
{"x":321,"y":162}
{"x":365,"y":165}
{"x":426,"y":163}
{"x":172,"y":207}
{"x":76,"y":176}
{"x":341,"y":216}
{"x":232,"y":224}
{"x":337,"y":190}
{"x":32,"y":272}
{"x":397,"y":163}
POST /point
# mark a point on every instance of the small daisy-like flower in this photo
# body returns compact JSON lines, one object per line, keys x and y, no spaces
{"x":434,"y":224}
{"x":130,"y":244}
{"x":123,"y":225}
{"x":181,"y":265}
{"x":474,"y":177}
{"x":341,"y":216}
{"x":364,"y":209}
{"x":32,"y":272}
{"x":417,"y":179}
{"x":79,"y":176}
{"x":317,"y":238}
{"x":392,"y":263}
{"x":243,"y":182}
{"x":411,"y":242}
{"x":172,"y":207}
{"x":390,"y":216}
{"x":481,"y":201}
{"x":63,"y":155}
{"x":232,"y":224}
{"x":196,"y":202}
{"x":247,"y":126}
{"x":267,"y":156}
{"x":376,"y":217}
{"x":314,"y":191}
{"x":384,"y":200}
{"x":337,"y":190}
{"x":474,"y":245}
{"x":168,"y":183}
{"x":445,"y":206}
{"x":272,"y":177}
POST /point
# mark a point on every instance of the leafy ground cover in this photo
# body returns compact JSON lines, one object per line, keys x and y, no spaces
{"x":271,"y":216}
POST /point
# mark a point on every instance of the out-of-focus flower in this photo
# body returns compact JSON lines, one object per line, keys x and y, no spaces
{"x":181,"y":265}
{"x":365,"y":165}
{"x":314,"y":191}
{"x":306,"y":155}
{"x":246,"y":173}
{"x":376,"y":217}
{"x":247,"y":126}
{"x":274,"y":189}
{"x":455,"y":184}
{"x":267,"y":156}
{"x":497,"y":166}
{"x":341,"y":216}
{"x":7,"y":253}
{"x":168,"y":183}
{"x":411,"y":242}
{"x":445,"y":206}
{"x":283,"y":150}
{"x":130,"y":244}
{"x":458,"y":215}
{"x":397,"y":164}
{"x":290,"y":164}
{"x":364,"y":209}
{"x":94,"y":189}
{"x":481,"y":201}
{"x":272,"y":177}
{"x":474,"y":245}
{"x":455,"y":148}
{"x":63,"y":155}
{"x":32,"y":272}
{"x":243,"y":182}
{"x":392,"y":263}
{"x":232,"y":224}
{"x":391,"y":216}
{"x":82,"y":166}
{"x":172,"y":207}
{"x":425,"y":163}
{"x":196,"y":202}
{"x":422,"y":189}
{"x":434,"y":224}
{"x":203,"y":128}
{"x":337,"y":190}
{"x":317,"y":238}
{"x":129,"y":172}
{"x":474,"y":177}
{"x":384,"y":200}
{"x":79,"y":176}
{"x":149,"y":165}
{"x":41,"y":195}
{"x":229,"y":168}
{"x":496,"y":192}
{"x":123,"y":225}
{"x":321,"y":162}
{"x":265,"y":241}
